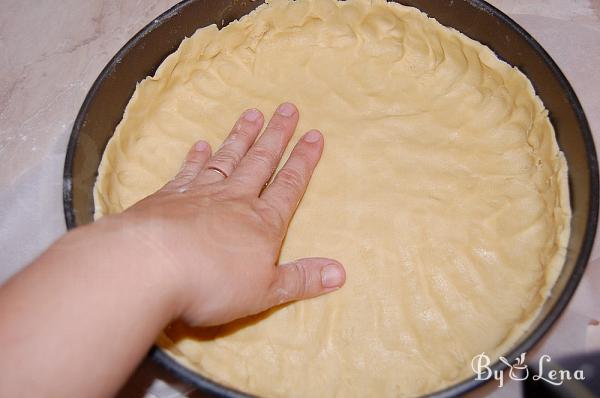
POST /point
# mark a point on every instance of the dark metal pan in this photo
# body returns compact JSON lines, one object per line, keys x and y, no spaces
{"x":104,"y":105}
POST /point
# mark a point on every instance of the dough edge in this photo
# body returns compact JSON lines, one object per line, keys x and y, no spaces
{"x":562,"y":213}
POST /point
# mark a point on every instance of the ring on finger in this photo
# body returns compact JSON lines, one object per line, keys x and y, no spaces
{"x":217,"y":170}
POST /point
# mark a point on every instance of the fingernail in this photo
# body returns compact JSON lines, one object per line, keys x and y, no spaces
{"x":312,"y":136}
{"x":252,"y":115}
{"x":201,"y":146}
{"x":286,"y":109}
{"x":332,"y":276}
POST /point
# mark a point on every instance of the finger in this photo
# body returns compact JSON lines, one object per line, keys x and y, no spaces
{"x":305,"y":278}
{"x":235,"y":146}
{"x":262,"y":159}
{"x":291,"y":181}
{"x":195,"y":160}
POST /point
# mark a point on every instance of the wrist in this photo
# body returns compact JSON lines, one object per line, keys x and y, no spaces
{"x":127,"y":252}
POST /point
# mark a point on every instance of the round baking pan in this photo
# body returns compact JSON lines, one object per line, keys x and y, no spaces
{"x":104,"y":105}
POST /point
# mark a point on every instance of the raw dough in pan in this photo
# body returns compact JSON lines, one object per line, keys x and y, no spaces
{"x":441,"y":189}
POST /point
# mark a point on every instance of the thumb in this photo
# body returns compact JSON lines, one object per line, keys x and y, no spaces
{"x":305,"y":278}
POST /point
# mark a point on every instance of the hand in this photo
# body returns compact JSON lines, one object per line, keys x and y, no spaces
{"x":203,"y":248}
{"x":220,"y":226}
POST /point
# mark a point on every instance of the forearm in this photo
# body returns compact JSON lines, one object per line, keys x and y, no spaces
{"x":78,"y":320}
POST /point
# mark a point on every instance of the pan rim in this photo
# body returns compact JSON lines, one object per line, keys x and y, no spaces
{"x":465,"y":386}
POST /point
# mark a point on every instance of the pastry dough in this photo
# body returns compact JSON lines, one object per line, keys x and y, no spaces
{"x":441,"y":189}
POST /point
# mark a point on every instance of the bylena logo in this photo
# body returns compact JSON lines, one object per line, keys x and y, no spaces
{"x":520,"y":371}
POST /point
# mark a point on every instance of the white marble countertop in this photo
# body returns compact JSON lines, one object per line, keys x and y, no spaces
{"x":53,"y":50}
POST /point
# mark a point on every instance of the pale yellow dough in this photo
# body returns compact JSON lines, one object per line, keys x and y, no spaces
{"x":442,"y":190}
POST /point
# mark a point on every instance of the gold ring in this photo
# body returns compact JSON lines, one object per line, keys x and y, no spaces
{"x":218,"y":170}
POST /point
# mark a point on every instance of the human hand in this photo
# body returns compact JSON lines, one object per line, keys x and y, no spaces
{"x":219,"y":228}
